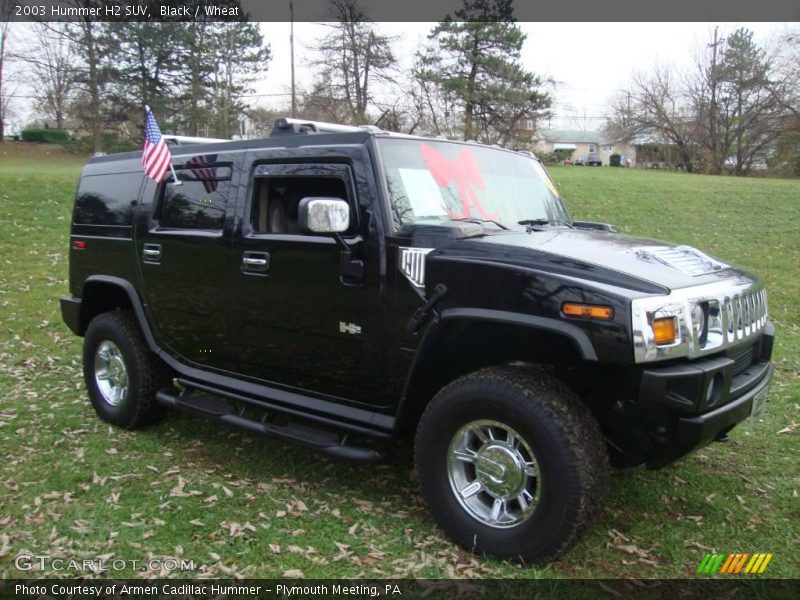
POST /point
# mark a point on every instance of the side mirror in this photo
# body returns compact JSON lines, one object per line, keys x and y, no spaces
{"x":323,"y":215}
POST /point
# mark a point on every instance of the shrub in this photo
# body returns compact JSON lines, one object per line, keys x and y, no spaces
{"x":615,"y":160}
{"x":45,"y":135}
{"x":110,"y":144}
{"x":556,"y":157}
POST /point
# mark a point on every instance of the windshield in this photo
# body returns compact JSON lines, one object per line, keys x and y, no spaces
{"x":438,"y":181}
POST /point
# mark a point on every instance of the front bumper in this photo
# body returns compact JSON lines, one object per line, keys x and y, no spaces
{"x":690,"y":404}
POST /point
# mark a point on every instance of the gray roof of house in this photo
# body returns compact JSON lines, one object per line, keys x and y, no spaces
{"x":565,"y":136}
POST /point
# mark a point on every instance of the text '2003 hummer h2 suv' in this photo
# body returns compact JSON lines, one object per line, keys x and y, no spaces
{"x":332,"y":284}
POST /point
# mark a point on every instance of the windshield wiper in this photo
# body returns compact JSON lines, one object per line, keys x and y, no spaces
{"x":479,"y":221}
{"x":545,"y":222}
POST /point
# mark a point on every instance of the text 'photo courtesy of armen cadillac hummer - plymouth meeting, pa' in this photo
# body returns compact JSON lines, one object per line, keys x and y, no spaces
{"x":343,"y":287}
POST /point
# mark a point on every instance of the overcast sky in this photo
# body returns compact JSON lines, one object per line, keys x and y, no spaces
{"x":588,"y":61}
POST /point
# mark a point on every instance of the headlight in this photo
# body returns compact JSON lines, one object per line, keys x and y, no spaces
{"x":699,"y":320}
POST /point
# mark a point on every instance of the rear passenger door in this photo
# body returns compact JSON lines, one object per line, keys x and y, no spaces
{"x":182,"y":245}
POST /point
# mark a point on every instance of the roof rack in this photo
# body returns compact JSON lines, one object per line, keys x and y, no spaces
{"x":185,"y":140}
{"x":287,"y":126}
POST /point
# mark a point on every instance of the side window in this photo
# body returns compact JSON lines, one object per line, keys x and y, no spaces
{"x":276,"y":200}
{"x":198,"y":202}
{"x":107,"y":199}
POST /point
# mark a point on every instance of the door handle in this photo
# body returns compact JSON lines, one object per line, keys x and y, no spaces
{"x":151,"y":252}
{"x":255,"y":262}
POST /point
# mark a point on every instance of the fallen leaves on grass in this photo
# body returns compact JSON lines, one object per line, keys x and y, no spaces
{"x":699,"y":546}
{"x":624,"y":544}
{"x":293,"y":574}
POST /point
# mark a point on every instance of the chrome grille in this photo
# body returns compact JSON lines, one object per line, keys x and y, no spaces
{"x":743,"y":314}
{"x":735,"y":309}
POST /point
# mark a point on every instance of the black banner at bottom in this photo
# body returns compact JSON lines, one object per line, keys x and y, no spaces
{"x":329,"y":589}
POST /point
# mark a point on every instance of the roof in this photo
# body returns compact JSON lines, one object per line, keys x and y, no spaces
{"x":298,"y":140}
{"x":567,"y":136}
{"x":284,"y":141}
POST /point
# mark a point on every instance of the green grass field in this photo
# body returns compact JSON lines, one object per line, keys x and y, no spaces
{"x":236,"y":504}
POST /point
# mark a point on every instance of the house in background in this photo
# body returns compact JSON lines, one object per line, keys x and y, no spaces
{"x":583,"y":143}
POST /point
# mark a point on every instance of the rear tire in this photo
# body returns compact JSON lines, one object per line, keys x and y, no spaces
{"x":121,"y":374}
{"x":517,"y":438}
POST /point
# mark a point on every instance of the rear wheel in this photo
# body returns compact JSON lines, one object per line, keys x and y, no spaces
{"x":511,"y":463}
{"x":121,"y":373}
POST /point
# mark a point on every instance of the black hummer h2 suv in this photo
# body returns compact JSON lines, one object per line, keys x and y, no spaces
{"x":332,"y":285}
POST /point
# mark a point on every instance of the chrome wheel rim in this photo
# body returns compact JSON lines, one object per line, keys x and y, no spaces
{"x":494,"y":474}
{"x":110,"y":373}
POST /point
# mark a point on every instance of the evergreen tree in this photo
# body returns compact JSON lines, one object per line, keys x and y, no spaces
{"x":475,"y":60}
{"x":238,"y":55}
{"x":751,"y":110}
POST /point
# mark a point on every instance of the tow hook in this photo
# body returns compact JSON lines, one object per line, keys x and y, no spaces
{"x":421,"y":315}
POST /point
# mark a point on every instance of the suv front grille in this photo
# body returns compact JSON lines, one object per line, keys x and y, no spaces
{"x":742,"y":315}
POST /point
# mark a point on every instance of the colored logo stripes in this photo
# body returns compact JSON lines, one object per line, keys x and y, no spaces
{"x":734,"y":563}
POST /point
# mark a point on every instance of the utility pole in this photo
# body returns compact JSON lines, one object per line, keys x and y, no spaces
{"x":291,"y":44}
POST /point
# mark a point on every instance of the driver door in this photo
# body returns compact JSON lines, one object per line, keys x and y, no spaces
{"x":295,"y":319}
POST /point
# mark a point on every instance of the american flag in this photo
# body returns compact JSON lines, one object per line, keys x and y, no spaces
{"x":156,"y":158}
{"x":204,"y":170}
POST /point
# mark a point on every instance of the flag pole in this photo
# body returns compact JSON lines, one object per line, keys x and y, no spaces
{"x":175,"y":180}
{"x":291,"y":46}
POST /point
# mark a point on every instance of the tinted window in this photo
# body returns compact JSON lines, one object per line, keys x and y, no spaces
{"x":107,"y":199}
{"x":199,"y":202}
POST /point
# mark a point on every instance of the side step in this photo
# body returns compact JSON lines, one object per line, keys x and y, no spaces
{"x":321,"y":440}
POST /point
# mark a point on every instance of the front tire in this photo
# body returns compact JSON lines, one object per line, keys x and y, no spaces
{"x":511,"y":463}
{"x":121,"y":374}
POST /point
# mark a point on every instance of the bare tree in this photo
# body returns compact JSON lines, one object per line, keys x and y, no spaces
{"x":785,"y":83}
{"x":87,"y":39}
{"x":350,"y":58}
{"x":5,"y":24}
{"x":655,"y":108}
{"x":51,"y":60}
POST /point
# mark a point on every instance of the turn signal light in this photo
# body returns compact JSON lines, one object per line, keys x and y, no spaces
{"x":588,"y":311}
{"x":665,"y":330}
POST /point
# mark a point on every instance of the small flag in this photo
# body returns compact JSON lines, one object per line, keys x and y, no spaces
{"x":204,"y":170}
{"x":156,"y":158}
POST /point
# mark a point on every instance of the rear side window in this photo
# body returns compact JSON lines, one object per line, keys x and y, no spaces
{"x":107,"y":199}
{"x":199,"y":201}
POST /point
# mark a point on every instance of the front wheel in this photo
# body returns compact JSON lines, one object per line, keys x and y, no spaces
{"x":511,"y":463}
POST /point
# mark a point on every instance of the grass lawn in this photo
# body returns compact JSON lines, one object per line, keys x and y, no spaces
{"x":234,"y":503}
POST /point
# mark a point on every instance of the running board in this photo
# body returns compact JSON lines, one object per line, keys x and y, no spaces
{"x":325,"y":441}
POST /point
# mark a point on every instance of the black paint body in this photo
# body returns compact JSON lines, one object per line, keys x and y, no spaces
{"x":280,"y":335}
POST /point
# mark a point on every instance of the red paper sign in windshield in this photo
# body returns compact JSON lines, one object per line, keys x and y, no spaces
{"x":464,"y":172}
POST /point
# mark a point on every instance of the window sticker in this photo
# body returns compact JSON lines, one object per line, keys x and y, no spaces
{"x":464,"y":173}
{"x":421,"y":187}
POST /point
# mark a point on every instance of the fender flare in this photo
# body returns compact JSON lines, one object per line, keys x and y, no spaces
{"x":136,"y":303}
{"x":569,"y":331}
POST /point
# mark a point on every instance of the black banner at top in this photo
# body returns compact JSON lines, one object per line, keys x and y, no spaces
{"x":407,"y":10}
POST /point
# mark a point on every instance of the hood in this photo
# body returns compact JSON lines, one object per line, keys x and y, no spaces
{"x":641,"y":264}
